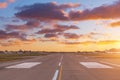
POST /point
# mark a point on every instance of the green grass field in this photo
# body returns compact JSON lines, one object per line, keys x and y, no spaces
{"x":10,"y":57}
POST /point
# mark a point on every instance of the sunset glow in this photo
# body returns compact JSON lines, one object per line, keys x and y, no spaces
{"x":59,"y":25}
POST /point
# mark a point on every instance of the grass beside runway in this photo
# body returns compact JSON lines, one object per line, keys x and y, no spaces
{"x":14,"y":56}
{"x":101,"y":55}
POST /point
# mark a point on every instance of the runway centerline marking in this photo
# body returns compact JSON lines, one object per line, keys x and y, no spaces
{"x":60,"y":61}
{"x":55,"y":75}
{"x":58,"y":72}
{"x":59,"y":64}
{"x":25,"y":65}
{"x":94,"y":65}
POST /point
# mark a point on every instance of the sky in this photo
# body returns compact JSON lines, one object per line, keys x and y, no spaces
{"x":59,"y":25}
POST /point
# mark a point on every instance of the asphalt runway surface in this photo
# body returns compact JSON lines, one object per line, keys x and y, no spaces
{"x":61,"y":67}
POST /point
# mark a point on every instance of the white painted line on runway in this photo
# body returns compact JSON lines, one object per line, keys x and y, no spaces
{"x":94,"y":65}
{"x":55,"y":75}
{"x":59,"y":63}
{"x":110,"y":64}
{"x":25,"y":65}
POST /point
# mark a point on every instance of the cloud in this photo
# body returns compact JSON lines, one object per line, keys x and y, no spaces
{"x":5,"y":3}
{"x":45,"y":11}
{"x":73,"y":38}
{"x":102,"y":42}
{"x":71,"y":35}
{"x":34,"y":23}
{"x":90,"y":35}
{"x":14,"y":38}
{"x":115,"y":24}
{"x":107,"y":42}
{"x":4,"y":34}
{"x":50,"y":35}
{"x":103,"y":12}
{"x":68,"y":5}
{"x":76,"y":42}
{"x":10,"y":1}
{"x":60,"y":33}
{"x":94,"y":33}
{"x":29,"y":25}
{"x":53,"y":11}
{"x":57,"y":29}
{"x":16,"y":42}
{"x":8,"y":35}
{"x":66,"y":27}
{"x":16,"y":27}
{"x":11,"y":43}
{"x":48,"y":40}
{"x":44,"y":31}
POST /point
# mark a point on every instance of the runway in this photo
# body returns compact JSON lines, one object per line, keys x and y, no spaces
{"x":61,"y":66}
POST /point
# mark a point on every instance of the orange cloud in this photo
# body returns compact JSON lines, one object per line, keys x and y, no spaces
{"x":101,"y":12}
{"x":11,"y":1}
{"x":11,"y":43}
{"x":16,"y":42}
{"x":115,"y":24}
{"x":3,"y":4}
{"x":105,"y":42}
